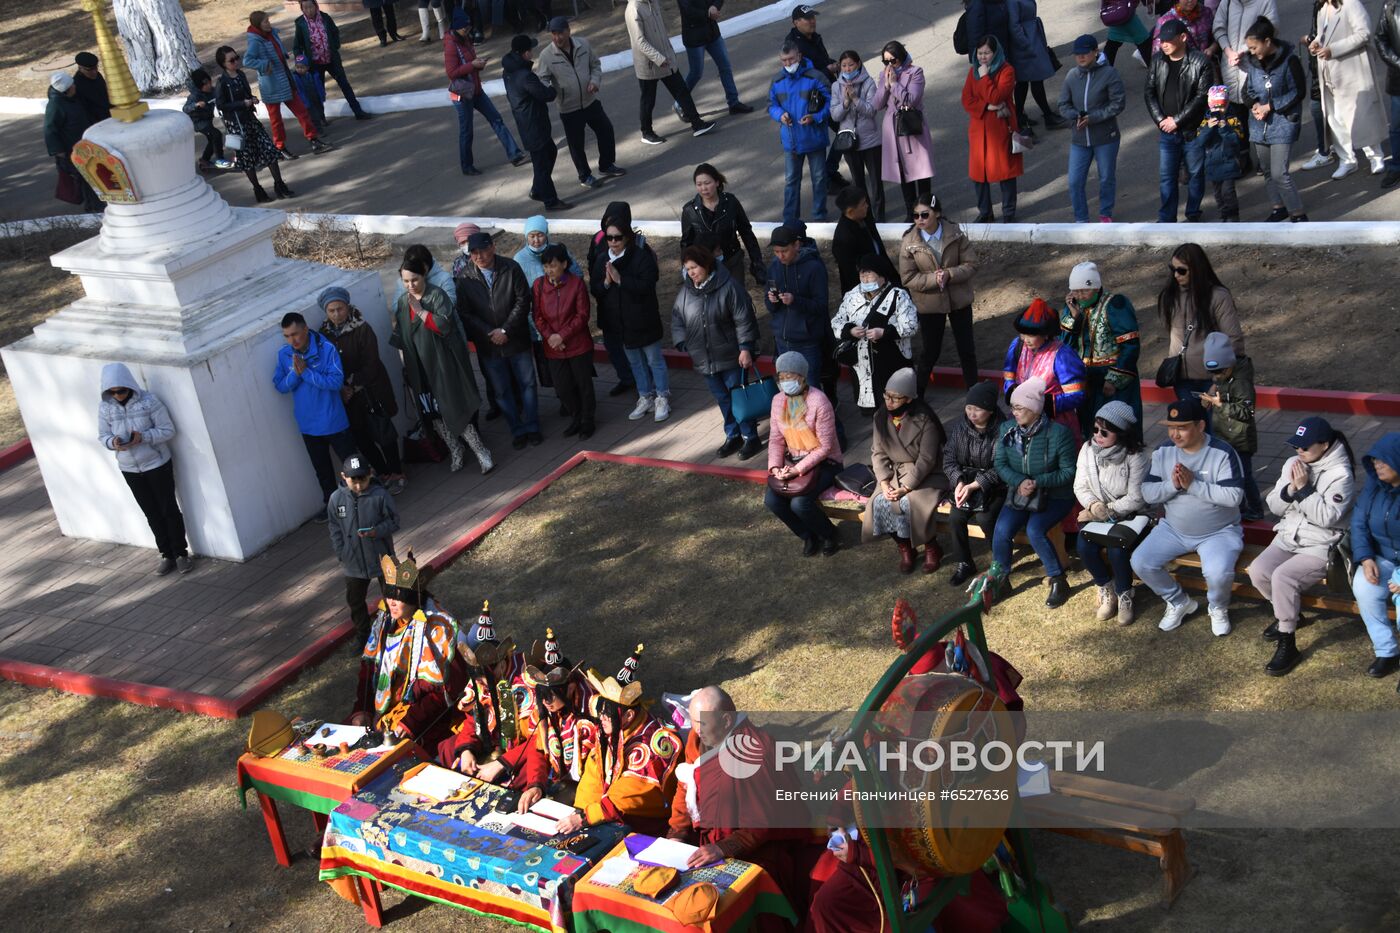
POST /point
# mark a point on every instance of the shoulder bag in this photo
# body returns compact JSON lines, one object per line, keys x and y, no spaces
{"x":465,"y":88}
{"x":846,"y":352}
{"x":67,"y":188}
{"x":858,"y":479}
{"x":1340,"y":566}
{"x":845,"y":141}
{"x":908,"y":122}
{"x":793,"y":487}
{"x":1116,"y":12}
{"x":752,"y":401}
{"x":1126,"y":534}
{"x":1170,"y":372}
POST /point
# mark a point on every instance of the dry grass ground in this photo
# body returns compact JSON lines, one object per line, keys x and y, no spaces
{"x":124,"y":818}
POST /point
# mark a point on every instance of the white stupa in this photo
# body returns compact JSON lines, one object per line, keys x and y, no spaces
{"x":188,"y":292}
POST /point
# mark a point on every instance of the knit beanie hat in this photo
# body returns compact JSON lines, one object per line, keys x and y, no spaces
{"x":1085,"y":275}
{"x":1030,"y":394}
{"x":1219,"y":353}
{"x":60,"y":81}
{"x":904,"y":383}
{"x":334,"y":293}
{"x":984,"y":395}
{"x":536,"y":224}
{"x":791,"y":362}
{"x":1117,"y":413}
{"x":1039,"y":319}
{"x":463,"y":232}
{"x":1217,"y":96}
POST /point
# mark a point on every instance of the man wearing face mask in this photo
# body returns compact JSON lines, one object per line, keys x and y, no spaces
{"x":799,"y":101}
{"x":1102,"y":328}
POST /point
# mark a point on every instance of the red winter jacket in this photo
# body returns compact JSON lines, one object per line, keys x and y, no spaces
{"x":563,"y":309}
{"x":460,"y":60}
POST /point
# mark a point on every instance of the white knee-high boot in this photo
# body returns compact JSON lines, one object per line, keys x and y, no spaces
{"x":424,"y":20}
{"x":478,"y":446}
{"x":454,"y":444}
{"x":442,"y":21}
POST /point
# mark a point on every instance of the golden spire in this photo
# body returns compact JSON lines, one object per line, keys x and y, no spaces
{"x":127,"y":104}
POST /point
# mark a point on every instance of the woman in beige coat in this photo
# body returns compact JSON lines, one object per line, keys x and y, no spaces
{"x":936,"y":265}
{"x":906,"y":456}
{"x":653,"y":62}
{"x":1351,"y":99}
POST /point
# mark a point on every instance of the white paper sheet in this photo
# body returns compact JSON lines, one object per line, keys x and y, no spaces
{"x":552,"y":809}
{"x":614,"y":871}
{"x":534,"y":822}
{"x":667,"y":853}
{"x":347,"y":734}
{"x":434,"y":782}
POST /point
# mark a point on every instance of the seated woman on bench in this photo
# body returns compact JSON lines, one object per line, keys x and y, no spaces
{"x":906,"y":455}
{"x":1375,"y":546}
{"x":1108,"y":484}
{"x":1312,"y":499}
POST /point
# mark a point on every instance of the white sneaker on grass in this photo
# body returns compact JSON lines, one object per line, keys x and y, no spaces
{"x":643,"y":406}
{"x":1318,"y":160}
{"x":1175,"y":615}
{"x":1219,"y":620}
{"x":663,"y":408}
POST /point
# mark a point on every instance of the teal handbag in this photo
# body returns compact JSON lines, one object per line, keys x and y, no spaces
{"x":753,"y":401}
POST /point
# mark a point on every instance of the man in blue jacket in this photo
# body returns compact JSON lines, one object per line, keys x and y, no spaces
{"x":799,"y":100}
{"x":308,"y":369}
{"x":1375,"y":549}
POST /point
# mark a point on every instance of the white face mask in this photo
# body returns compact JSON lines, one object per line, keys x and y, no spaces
{"x":791,"y":386}
{"x":869,"y":286}
{"x":792,"y":69}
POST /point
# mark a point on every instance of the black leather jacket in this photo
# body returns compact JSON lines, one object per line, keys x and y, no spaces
{"x":1197,"y":73}
{"x":1388,"y":45}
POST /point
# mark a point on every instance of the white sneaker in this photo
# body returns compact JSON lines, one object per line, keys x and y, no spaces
{"x":643,"y":406}
{"x":1175,"y":615}
{"x":1343,"y":170}
{"x":1137,"y":53}
{"x":1318,"y":160}
{"x":1377,"y":164}
{"x":663,"y":408}
{"x":1219,"y":620}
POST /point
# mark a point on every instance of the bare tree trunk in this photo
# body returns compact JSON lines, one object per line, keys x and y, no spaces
{"x":159,"y":47}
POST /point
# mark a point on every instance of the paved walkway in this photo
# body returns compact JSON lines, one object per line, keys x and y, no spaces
{"x":95,"y":610}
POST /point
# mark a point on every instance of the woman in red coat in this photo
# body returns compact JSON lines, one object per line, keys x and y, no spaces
{"x":561,"y":317}
{"x":987,"y":98}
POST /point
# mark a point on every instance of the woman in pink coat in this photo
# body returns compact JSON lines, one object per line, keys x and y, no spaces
{"x":908,"y":158}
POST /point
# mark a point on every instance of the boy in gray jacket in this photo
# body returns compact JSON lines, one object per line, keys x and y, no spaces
{"x":362,"y":521}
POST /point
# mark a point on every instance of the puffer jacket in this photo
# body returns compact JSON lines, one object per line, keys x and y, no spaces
{"x":1375,"y":521}
{"x":65,"y":121}
{"x":316,"y":392}
{"x":1388,"y":44}
{"x":1314,"y":518}
{"x":142,"y":412}
{"x":347,"y":513}
{"x":630,"y":308}
{"x":203,"y":117}
{"x":918,"y":263}
{"x":268,"y":57}
{"x":971,"y":450}
{"x":1048,"y":459}
{"x":713,"y":322}
{"x":1113,"y":477}
{"x":1233,"y":419}
{"x":806,"y":321}
{"x":860,"y":115}
{"x":563,"y":309}
{"x":805,"y":93}
{"x":1278,"y":82}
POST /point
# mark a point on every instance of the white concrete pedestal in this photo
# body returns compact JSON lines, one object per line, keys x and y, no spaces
{"x":195,"y":311}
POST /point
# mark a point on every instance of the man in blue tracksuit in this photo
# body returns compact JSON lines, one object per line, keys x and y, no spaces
{"x":308,"y":369}
{"x":799,"y":100}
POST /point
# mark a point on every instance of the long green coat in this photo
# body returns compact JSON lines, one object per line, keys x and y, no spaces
{"x":440,"y":362}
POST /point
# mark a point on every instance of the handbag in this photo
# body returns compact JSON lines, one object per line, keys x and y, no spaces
{"x":800,"y":485}
{"x":751,"y":401}
{"x":1126,"y":534}
{"x":233,"y":141}
{"x":1169,"y":373}
{"x":1340,"y":566}
{"x":847,"y":348}
{"x":908,"y":122}
{"x":464,"y":88}
{"x":1021,"y":143}
{"x":857,"y":478}
{"x":845,"y":141}
{"x":1116,"y":12}
{"x":67,"y":188}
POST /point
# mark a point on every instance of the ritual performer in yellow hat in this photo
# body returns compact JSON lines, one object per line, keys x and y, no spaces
{"x":487,"y":702}
{"x":410,"y":668}
{"x":556,"y":735}
{"x":630,"y":775}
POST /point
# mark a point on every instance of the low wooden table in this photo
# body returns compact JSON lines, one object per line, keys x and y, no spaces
{"x":745,"y":891}
{"x":456,"y":853}
{"x":316,"y":784}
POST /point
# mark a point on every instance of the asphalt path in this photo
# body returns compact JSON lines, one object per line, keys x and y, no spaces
{"x":406,"y":163}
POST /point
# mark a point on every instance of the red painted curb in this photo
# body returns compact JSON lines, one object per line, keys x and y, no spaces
{"x":16,"y":453}
{"x":41,"y":675}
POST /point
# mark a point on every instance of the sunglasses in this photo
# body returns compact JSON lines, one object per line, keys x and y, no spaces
{"x":614,"y":239}
{"x":888,"y":61}
{"x":1103,"y":432}
{"x":1179,"y":270}
{"x":923,"y":215}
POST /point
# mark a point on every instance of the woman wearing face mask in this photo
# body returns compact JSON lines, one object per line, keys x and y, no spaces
{"x":1108,"y":485}
{"x":1312,"y":499}
{"x":1035,"y":457}
{"x":530,"y":259}
{"x":713,"y":320}
{"x":969,"y":463}
{"x":801,"y":439}
{"x":368,"y":393}
{"x":436,"y":364}
{"x":907,"y":153}
{"x":877,"y":317}
{"x":717,"y":214}
{"x":987,"y":97}
{"x":853,"y":108}
{"x":906,"y":456}
{"x":1038,"y":353}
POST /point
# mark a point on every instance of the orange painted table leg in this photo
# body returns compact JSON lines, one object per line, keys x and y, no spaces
{"x":369,"y":900}
{"x":273,"y":820}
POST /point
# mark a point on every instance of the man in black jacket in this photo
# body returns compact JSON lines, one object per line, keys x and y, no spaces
{"x":529,"y":101}
{"x":700,"y":34}
{"x":1178,"y":81}
{"x":855,"y":238}
{"x":813,"y":48}
{"x":494,"y":304}
{"x":92,"y":87}
{"x":1388,"y":45}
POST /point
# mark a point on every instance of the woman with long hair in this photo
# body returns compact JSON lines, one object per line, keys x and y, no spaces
{"x":1191,"y":304}
{"x":237,"y":105}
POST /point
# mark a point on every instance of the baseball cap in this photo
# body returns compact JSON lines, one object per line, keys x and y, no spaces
{"x":803,"y":11}
{"x":782,"y":236}
{"x":558,"y":24}
{"x":1312,"y":430}
{"x":478,"y":240}
{"x":1185,"y":411}
{"x":355,"y":466}
{"x":1085,"y":44}
{"x":1171,"y":30}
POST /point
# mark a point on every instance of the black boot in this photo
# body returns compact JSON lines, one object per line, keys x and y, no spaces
{"x":1059,"y":591}
{"x":280,"y":187}
{"x":1286,"y":656}
{"x":261,"y":195}
{"x":962,"y":573}
{"x":1271,"y":633}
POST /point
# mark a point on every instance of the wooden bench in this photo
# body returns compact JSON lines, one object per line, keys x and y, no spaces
{"x":1137,"y":819}
{"x":1317,"y":598}
{"x":850,"y":510}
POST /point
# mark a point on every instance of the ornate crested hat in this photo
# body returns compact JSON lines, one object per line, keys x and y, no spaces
{"x":547,"y":666}
{"x":403,"y":579}
{"x":483,"y":648}
{"x":628,"y":673}
{"x":624,"y":689}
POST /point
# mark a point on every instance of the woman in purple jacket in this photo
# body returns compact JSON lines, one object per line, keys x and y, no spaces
{"x":907,"y":146}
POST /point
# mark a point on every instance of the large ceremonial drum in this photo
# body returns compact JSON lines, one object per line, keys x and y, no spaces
{"x":943,"y":752}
